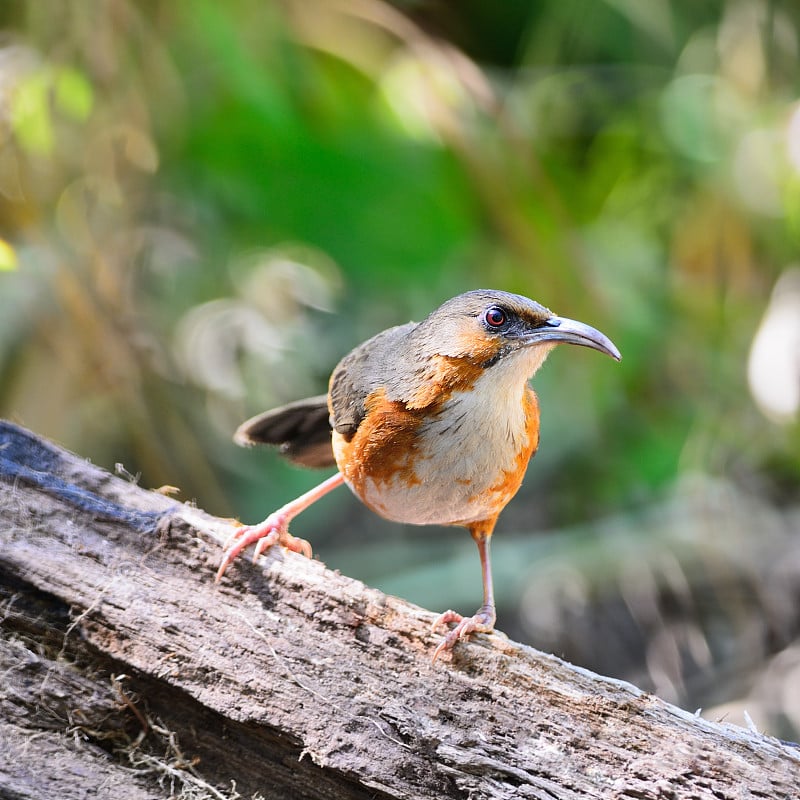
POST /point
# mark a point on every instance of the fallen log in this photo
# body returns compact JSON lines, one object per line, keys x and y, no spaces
{"x":129,"y":672}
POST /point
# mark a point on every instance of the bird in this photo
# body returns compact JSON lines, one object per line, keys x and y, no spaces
{"x":428,"y":423}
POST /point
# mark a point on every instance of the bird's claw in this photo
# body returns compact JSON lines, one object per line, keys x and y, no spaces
{"x":481,"y":622}
{"x":273,"y":530}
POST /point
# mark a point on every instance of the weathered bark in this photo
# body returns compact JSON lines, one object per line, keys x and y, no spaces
{"x":129,"y":673}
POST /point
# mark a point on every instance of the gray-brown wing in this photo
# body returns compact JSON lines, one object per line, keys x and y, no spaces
{"x":301,"y":430}
{"x":369,"y":367}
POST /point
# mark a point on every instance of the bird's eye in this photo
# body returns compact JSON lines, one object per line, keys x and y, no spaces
{"x":495,"y":317}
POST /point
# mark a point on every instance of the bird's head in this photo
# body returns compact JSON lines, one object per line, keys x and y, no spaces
{"x":489,"y":327}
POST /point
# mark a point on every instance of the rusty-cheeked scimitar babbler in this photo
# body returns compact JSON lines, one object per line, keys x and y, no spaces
{"x":428,"y":423}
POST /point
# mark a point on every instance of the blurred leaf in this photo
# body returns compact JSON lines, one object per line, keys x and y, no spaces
{"x":73,"y":93}
{"x":30,"y":114}
{"x":8,"y":257}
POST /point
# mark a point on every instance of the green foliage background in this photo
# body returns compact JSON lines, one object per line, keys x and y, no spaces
{"x":204,"y":205}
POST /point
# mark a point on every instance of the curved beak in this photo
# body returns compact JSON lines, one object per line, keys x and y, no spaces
{"x":570,"y":331}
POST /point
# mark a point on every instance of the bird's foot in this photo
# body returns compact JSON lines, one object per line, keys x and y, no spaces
{"x":480,"y":622}
{"x":273,"y":530}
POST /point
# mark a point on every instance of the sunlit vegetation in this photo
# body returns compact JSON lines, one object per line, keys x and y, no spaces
{"x":203,"y":205}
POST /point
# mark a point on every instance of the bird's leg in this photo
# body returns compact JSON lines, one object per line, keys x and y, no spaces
{"x":275,"y":528}
{"x":484,"y":618}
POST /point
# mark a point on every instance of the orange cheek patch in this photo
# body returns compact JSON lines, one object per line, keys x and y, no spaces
{"x":477,"y":346}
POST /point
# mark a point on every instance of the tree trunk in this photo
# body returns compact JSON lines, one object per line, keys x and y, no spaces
{"x":129,"y":673}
